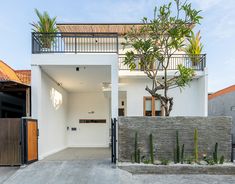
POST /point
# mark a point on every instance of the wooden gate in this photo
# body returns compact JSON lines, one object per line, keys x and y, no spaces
{"x":10,"y":141}
{"x":31,"y":140}
{"x":18,"y":141}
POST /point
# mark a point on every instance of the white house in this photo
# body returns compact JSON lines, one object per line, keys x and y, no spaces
{"x":79,"y":83}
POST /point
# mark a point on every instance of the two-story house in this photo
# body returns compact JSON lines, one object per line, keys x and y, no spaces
{"x":79,"y":83}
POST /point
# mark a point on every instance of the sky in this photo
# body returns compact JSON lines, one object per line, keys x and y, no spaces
{"x":217,"y":28}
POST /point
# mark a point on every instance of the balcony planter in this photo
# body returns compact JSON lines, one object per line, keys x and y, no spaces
{"x":46,"y":41}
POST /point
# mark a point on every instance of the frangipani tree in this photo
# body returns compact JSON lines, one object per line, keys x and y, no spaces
{"x":155,"y":43}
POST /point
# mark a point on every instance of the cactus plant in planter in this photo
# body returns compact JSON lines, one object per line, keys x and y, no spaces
{"x":151,"y":148}
{"x":196,"y":145}
{"x":177,"y":147}
{"x":138,"y":156}
{"x":221,"y":160}
{"x":136,"y":147}
{"x":45,"y":29}
{"x":182,"y":155}
{"x":215,"y":153}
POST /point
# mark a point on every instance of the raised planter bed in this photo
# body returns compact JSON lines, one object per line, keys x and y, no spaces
{"x":225,"y":169}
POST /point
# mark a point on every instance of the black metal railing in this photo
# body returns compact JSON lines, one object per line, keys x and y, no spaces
{"x":74,"y":43}
{"x":196,"y":62}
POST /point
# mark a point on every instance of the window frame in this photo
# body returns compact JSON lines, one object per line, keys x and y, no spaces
{"x":152,"y":103}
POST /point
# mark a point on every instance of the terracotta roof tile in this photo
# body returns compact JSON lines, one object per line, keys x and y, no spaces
{"x":222,"y":92}
{"x":24,"y":76}
{"x":9,"y":74}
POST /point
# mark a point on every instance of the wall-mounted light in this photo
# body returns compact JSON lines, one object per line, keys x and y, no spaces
{"x":78,"y":68}
{"x":91,"y":112}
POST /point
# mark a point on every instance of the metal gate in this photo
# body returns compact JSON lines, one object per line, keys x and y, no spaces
{"x":113,"y":141}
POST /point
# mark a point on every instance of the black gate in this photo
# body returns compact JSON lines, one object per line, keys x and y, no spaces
{"x":113,"y":140}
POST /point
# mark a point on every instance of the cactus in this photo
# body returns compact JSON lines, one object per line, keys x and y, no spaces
{"x":177,"y":148}
{"x":135,"y":152}
{"x":215,"y":153}
{"x":151,"y":148}
{"x":138,"y":156}
{"x":182,"y":154}
{"x":221,"y":160}
{"x":196,"y":145}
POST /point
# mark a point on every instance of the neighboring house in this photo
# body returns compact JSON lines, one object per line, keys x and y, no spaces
{"x":222,"y":103}
{"x":79,"y":83}
{"x":14,"y":92}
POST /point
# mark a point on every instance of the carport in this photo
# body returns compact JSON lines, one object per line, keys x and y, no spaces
{"x":73,"y":106}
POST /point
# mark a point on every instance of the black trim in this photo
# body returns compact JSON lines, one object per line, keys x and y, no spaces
{"x":113,"y":141}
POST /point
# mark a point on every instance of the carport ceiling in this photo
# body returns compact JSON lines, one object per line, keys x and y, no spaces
{"x":86,"y":79}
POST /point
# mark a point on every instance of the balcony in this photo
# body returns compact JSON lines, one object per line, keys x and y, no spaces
{"x":74,"y":43}
{"x":176,"y":59}
{"x":68,"y":42}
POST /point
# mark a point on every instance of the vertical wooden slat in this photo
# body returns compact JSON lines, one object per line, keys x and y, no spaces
{"x":32,"y":142}
{"x":10,"y":148}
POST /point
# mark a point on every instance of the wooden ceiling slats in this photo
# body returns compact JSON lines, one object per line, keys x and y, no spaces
{"x":97,"y":28}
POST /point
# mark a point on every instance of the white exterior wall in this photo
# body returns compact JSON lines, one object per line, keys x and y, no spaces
{"x":53,"y":123}
{"x":191,"y":101}
{"x":54,"y":136}
{"x":88,"y":134}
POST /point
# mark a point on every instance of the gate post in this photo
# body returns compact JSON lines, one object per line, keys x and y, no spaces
{"x":114,"y":141}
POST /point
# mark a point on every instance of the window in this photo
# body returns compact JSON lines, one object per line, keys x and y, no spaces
{"x":152,"y":107}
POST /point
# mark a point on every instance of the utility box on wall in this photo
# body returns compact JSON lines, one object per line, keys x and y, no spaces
{"x":19,"y":141}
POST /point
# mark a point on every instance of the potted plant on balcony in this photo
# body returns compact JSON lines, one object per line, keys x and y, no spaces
{"x":45,"y":27}
{"x":194,"y":48}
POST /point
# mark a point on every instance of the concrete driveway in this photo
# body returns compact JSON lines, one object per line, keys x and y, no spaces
{"x":56,"y":170}
{"x":100,"y":172}
{"x":6,"y":172}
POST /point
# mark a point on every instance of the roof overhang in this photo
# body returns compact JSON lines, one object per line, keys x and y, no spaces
{"x":119,"y":28}
{"x":8,"y":85}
